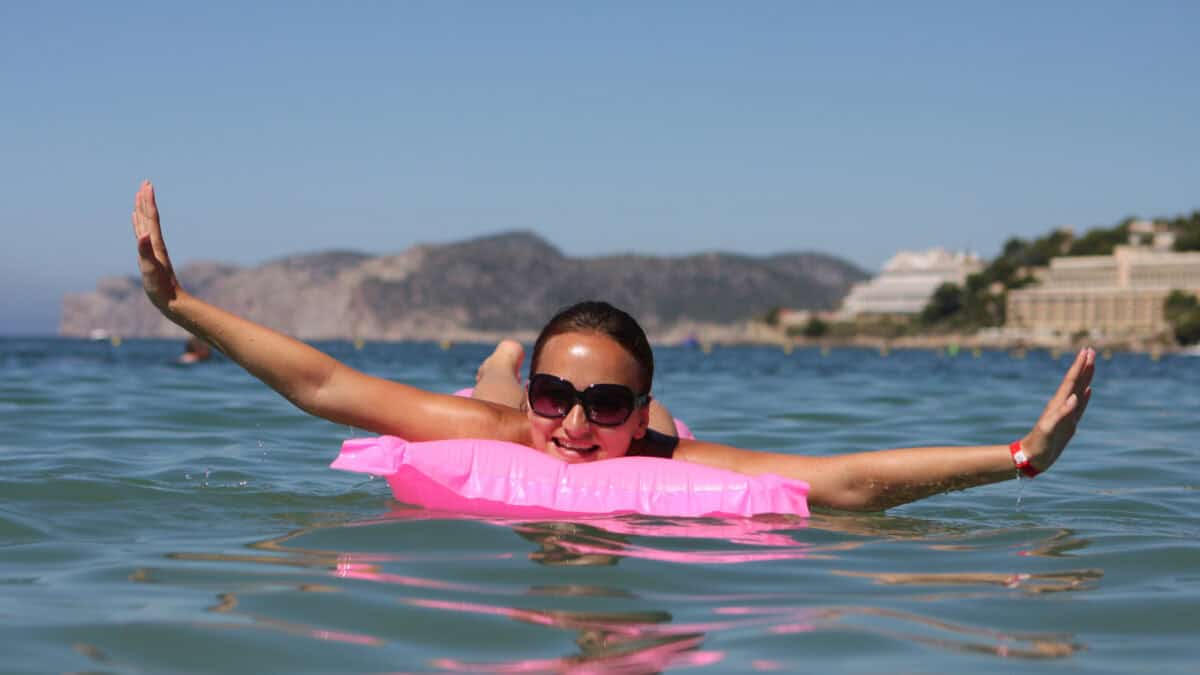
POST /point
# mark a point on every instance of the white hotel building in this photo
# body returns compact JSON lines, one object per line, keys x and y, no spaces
{"x":908,"y":281}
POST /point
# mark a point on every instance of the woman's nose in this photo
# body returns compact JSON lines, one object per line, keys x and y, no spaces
{"x":576,"y":421}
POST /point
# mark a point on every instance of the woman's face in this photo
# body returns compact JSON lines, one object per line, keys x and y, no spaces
{"x":584,"y":359}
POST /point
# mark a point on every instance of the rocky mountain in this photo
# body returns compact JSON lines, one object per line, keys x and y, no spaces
{"x":509,"y":283}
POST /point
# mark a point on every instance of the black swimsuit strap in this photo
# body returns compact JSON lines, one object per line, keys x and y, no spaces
{"x":654,"y":444}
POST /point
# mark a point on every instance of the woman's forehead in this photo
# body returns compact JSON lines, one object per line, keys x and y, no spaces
{"x":588,"y":358}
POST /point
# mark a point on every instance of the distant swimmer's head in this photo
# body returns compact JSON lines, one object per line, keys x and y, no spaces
{"x":589,"y":383}
{"x":195,"y":351}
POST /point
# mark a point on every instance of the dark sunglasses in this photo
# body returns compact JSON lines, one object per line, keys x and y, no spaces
{"x":606,"y":405}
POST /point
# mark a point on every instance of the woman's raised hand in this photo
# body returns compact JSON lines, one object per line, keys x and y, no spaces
{"x":1057,"y":424}
{"x":158,"y":277}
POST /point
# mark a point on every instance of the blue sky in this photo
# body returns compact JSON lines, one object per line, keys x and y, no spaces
{"x":852,"y":128}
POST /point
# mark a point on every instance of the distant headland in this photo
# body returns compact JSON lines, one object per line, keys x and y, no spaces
{"x":481,"y":289}
{"x":1134,"y":286}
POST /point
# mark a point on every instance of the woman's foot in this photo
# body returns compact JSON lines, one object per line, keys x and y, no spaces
{"x":498,"y":379}
{"x":505,"y":361}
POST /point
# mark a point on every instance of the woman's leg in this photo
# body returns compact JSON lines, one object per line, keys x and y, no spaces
{"x":661,"y":419}
{"x":498,"y":379}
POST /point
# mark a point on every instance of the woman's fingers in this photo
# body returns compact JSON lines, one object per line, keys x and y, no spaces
{"x":158,"y":278}
{"x":1088,"y":372}
{"x":146,"y":225}
{"x":147,"y":210}
{"x":1083,"y":375}
{"x":1083,"y":403}
{"x":1055,"y":413}
{"x":1072,"y":377}
{"x":1061,"y":416}
{"x":1069,"y":405}
{"x":147,"y":255}
{"x":1083,"y":385}
{"x":1077,"y":380}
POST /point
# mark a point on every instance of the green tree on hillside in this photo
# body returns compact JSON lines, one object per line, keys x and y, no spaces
{"x":1187,"y":232}
{"x":771,"y":318}
{"x":815,"y":328}
{"x":1182,"y":311}
{"x":1037,"y":253}
{"x":1101,"y":241}
{"x":947,"y":301}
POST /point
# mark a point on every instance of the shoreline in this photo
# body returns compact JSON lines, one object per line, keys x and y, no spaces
{"x":954,"y":344}
{"x":751,"y":333}
{"x":708,"y":336}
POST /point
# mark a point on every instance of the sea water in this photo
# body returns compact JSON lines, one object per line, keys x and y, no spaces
{"x":156,"y":518}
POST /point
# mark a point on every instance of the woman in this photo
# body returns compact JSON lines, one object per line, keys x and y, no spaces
{"x":588,"y":399}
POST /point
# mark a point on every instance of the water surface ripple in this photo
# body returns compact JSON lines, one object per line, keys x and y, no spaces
{"x":165,"y":519}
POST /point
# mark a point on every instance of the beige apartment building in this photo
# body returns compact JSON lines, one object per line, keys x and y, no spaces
{"x":1116,"y":296}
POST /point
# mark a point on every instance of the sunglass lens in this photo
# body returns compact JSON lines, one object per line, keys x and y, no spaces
{"x":550,"y":397}
{"x":609,"y":405}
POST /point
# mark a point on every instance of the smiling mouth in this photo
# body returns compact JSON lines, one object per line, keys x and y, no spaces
{"x":575,"y":451}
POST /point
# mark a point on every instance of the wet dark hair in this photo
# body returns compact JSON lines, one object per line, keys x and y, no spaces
{"x":602,"y":318}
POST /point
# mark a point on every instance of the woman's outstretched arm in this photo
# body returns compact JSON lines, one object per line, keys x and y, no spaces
{"x":312,"y":380}
{"x":873,"y":481}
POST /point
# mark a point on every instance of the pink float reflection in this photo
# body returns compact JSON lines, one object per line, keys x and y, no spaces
{"x":647,"y":641}
{"x":601,"y":540}
{"x":651,"y":640}
{"x":674,"y":654}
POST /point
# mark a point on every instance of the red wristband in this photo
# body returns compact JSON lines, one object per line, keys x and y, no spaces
{"x":1021,"y":460}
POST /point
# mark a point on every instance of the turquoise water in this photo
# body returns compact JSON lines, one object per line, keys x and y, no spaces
{"x":159,"y":519}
